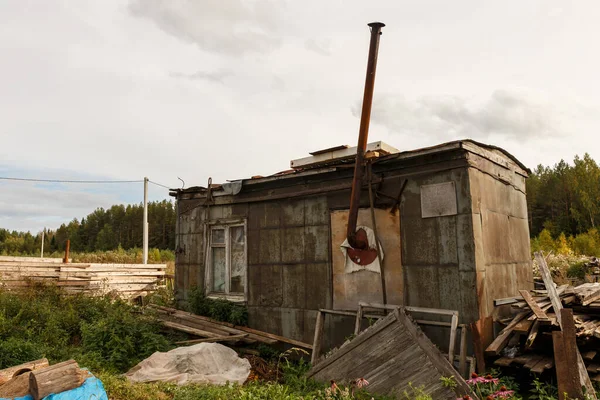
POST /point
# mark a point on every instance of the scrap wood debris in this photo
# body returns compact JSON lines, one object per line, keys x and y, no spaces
{"x":526,"y":339}
{"x":217,"y":331}
{"x":262,"y":370}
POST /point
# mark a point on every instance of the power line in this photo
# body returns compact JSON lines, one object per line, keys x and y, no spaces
{"x":64,"y":180}
{"x":158,"y":184}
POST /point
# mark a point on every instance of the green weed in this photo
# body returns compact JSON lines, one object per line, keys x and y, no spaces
{"x":221,"y":310}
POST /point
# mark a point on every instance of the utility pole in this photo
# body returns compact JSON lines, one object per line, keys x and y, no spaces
{"x":42,"y":252}
{"x":145,"y":220}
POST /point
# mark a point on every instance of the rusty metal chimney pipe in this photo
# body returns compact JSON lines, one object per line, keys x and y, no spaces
{"x":363,"y":132}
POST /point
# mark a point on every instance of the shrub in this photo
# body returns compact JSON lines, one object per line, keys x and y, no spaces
{"x":98,"y":332}
{"x":120,"y":338}
{"x":15,"y":351}
{"x":576,"y":270}
{"x":221,"y":310}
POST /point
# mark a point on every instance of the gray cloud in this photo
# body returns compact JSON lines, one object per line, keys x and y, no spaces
{"x":509,"y":113}
{"x":31,"y":206}
{"x":231,"y":27}
{"x":212,"y":76}
{"x":321,"y":47}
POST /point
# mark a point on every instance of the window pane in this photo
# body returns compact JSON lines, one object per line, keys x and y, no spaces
{"x":237,"y":234}
{"x":218,"y":236}
{"x":218,"y":269}
{"x":238,"y":260}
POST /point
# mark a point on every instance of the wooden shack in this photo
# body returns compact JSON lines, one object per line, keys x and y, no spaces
{"x":451,"y":219}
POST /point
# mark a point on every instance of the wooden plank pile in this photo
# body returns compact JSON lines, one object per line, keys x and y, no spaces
{"x":529,"y":329}
{"x":217,"y":331}
{"x":527,"y":338}
{"x":127,"y":280}
{"x":392,"y":355}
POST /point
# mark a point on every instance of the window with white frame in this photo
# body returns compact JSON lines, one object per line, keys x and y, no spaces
{"x":227,"y":260}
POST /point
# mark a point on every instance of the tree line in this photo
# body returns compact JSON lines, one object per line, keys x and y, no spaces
{"x":564,"y":198}
{"x":563,"y":202}
{"x":119,"y":226}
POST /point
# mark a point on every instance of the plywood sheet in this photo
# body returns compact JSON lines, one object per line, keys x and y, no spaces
{"x":349,"y":289}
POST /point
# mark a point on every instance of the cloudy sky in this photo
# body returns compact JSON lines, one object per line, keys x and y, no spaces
{"x":233,"y":88}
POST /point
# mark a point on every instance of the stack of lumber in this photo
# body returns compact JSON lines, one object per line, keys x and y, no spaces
{"x":127,"y":280}
{"x":527,"y":334}
{"x":216,"y":331}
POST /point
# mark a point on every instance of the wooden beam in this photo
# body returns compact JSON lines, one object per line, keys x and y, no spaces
{"x":532,"y":334}
{"x":500,"y":342}
{"x":462,"y":360}
{"x":229,"y":338}
{"x":565,"y":359}
{"x":358,"y":321}
{"x":590,"y":298}
{"x":541,"y":315}
{"x":316,"y":351}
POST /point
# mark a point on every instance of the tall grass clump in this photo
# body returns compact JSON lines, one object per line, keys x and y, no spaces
{"x":99,"y":332}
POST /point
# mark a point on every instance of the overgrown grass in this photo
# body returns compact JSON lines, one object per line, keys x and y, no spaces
{"x":118,"y":256}
{"x":100,"y":333}
{"x":110,"y":336}
{"x":294,"y":387}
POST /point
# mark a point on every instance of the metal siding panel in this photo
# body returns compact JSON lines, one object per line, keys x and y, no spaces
{"x":449,"y":284}
{"x":270,"y":246}
{"x":292,"y":245}
{"x":271,"y":293}
{"x":294,"y":285}
{"x":423,"y":286}
{"x":317,"y":289}
{"x":447,"y":240}
{"x":316,"y":243}
{"x":272,"y":215}
{"x":292,"y":323}
{"x":253,"y":247}
{"x":420,"y":241}
{"x":292,"y":212}
{"x":316,"y":211}
{"x":466,"y":246}
{"x":254,"y":284}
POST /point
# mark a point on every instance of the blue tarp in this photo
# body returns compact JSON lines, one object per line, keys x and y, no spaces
{"x":92,"y":388}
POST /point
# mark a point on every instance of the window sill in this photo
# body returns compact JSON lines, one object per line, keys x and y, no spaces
{"x":234,"y":298}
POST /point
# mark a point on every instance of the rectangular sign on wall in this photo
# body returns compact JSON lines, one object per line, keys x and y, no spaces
{"x":438,"y":200}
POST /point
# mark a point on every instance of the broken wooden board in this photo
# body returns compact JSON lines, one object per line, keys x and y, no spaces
{"x":557,"y":305}
{"x":535,"y":307}
{"x":392,"y":354}
{"x":500,"y":342}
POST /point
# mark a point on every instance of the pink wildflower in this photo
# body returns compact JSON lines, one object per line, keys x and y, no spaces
{"x":361,"y":382}
{"x":503,"y":393}
{"x":476,"y":380}
{"x":334,"y":387}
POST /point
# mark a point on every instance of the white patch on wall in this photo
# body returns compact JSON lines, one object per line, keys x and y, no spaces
{"x":438,"y":200}
{"x":351,"y":266}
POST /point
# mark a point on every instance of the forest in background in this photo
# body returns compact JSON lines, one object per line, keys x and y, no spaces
{"x":117,"y":228}
{"x":563,"y":203}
